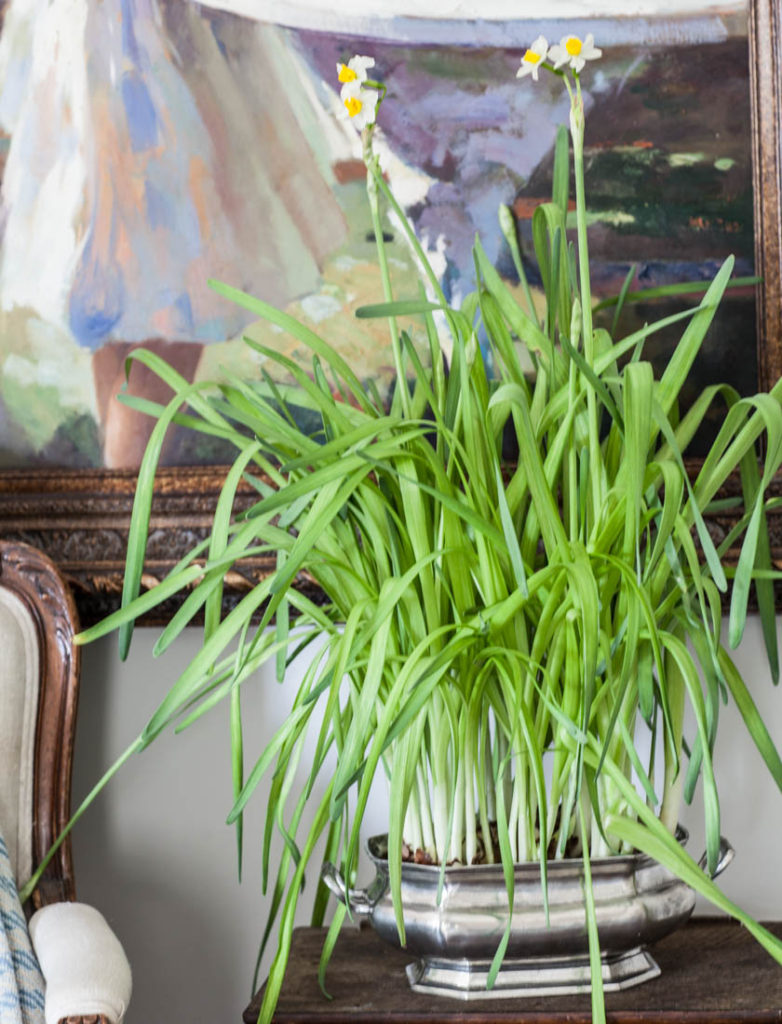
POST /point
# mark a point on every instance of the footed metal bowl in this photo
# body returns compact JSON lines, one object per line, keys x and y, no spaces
{"x":637,"y":902}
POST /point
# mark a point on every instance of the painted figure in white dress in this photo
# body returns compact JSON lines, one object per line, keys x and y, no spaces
{"x":145,"y":158}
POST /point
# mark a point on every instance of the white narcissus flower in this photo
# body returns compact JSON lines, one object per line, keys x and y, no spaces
{"x":530,"y":62}
{"x":355,"y":70}
{"x":359,"y":103}
{"x":573,"y":51}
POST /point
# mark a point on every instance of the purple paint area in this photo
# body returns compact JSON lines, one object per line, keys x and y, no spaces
{"x":460,"y":115}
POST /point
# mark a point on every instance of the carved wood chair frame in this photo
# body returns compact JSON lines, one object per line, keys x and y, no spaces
{"x":34,"y":579}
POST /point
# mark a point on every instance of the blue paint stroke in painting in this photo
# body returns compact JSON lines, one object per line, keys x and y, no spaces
{"x":96,"y":302}
{"x":157,"y":207}
{"x":184,"y":307}
{"x":127,"y":14}
{"x":140,"y":112}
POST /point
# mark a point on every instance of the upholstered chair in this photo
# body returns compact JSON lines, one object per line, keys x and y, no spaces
{"x":86,"y":974}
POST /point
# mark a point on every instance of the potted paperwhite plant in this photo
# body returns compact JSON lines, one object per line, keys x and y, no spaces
{"x":497,"y":635}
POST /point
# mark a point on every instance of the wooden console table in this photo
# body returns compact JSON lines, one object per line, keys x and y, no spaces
{"x":713,"y":972}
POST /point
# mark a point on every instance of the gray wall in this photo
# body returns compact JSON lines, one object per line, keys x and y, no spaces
{"x":155,"y":855}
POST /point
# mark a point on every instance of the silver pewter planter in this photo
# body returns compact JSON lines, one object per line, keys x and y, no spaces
{"x":637,"y":902}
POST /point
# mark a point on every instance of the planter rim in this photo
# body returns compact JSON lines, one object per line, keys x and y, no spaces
{"x":375,"y":844}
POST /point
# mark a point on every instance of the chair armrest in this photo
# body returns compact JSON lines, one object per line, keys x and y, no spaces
{"x":84,"y":966}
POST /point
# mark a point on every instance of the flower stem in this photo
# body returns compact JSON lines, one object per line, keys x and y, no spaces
{"x":577,"y":136}
{"x":370,"y":160}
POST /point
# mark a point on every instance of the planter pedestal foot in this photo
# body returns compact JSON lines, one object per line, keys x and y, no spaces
{"x":466,"y":979}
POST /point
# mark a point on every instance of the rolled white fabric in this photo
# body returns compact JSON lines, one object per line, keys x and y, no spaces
{"x":84,"y":965}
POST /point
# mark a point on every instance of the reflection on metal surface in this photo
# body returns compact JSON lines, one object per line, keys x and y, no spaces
{"x":637,"y":902}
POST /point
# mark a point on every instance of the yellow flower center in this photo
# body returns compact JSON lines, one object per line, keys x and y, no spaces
{"x":531,"y":57}
{"x":347,"y":74}
{"x":573,"y":46}
{"x":353,"y":105}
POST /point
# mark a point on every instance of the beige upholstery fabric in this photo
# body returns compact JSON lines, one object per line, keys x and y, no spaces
{"x":19,"y":675}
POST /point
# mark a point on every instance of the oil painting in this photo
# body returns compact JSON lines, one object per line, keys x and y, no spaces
{"x":148,"y":145}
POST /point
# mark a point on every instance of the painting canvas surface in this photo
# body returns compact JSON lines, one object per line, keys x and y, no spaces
{"x":148,"y":145}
